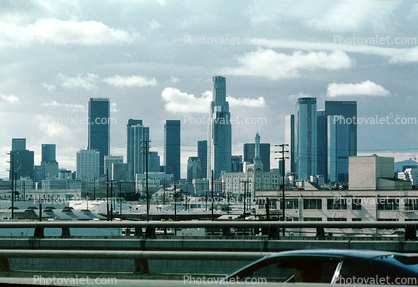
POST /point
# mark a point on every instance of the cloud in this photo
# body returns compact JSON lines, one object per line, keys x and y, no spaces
{"x":11,"y":99}
{"x":81,"y":81}
{"x":174,"y":80}
{"x":405,"y":56}
{"x":114,"y":107}
{"x":56,"y":104}
{"x":179,"y":102}
{"x":50,"y":88}
{"x":246,"y":102}
{"x":52,"y":127}
{"x":366,"y":88}
{"x":59,"y":32}
{"x":270,"y":64}
{"x":300,"y":95}
{"x":132,"y":81}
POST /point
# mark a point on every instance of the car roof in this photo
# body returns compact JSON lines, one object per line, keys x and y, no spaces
{"x":366,"y":254}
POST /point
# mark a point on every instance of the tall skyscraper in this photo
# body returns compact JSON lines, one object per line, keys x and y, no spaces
{"x":305,"y":138}
{"x":88,"y":164}
{"x":322,"y":152}
{"x":202,"y":154}
{"x":348,"y":109}
{"x":49,"y":164}
{"x":219,"y":130}
{"x":194,"y":168}
{"x":99,"y":127}
{"x":21,"y":160}
{"x":141,"y":136}
{"x":130,"y":146}
{"x":289,"y":139}
{"x":338,"y":149}
{"x":172,"y":148}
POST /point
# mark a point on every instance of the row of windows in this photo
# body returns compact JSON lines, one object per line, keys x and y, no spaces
{"x":341,"y":204}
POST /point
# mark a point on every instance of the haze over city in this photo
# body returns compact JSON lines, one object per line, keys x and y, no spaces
{"x":155,"y":61}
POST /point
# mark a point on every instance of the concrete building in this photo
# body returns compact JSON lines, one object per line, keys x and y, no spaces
{"x":305,"y":138}
{"x":289,"y":139}
{"x":99,"y":128}
{"x":172,"y":145}
{"x":236,"y":163}
{"x":120,"y":171}
{"x":109,"y":160}
{"x":219,"y":131}
{"x":194,"y":168}
{"x":88,"y":164}
{"x":130,"y":146}
{"x":373,"y":173}
{"x":202,"y":154}
{"x":21,"y":160}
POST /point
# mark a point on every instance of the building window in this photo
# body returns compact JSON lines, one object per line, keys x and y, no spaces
{"x":411,"y":204}
{"x":336,"y":219}
{"x":311,"y":203}
{"x":356,"y":204}
{"x":272,"y":204}
{"x":312,"y":219}
{"x":291,"y":204}
{"x":339,"y":204}
{"x":387,"y":219}
{"x":387,"y":204}
{"x":356,"y":219}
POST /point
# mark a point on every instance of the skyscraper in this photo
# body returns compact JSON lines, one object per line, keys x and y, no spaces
{"x":172,"y":148}
{"x":338,"y":149}
{"x":21,"y":160}
{"x":130,"y":146}
{"x":109,"y":160}
{"x":88,"y":164}
{"x":202,"y":154}
{"x":305,"y":138}
{"x":348,"y":109}
{"x":49,"y":164}
{"x":322,"y":152}
{"x":219,"y":130}
{"x":141,"y":136}
{"x":98,"y":128}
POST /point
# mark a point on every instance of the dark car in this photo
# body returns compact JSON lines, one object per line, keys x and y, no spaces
{"x":332,"y":266}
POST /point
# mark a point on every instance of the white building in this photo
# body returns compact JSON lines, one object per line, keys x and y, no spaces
{"x":373,"y":172}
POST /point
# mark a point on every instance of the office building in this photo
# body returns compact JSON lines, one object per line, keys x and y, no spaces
{"x":49,"y":164}
{"x":172,"y":148}
{"x":130,"y":146}
{"x":338,"y":150}
{"x":236,"y":163}
{"x":194,"y":168}
{"x":99,"y":128}
{"x":21,"y":160}
{"x":109,"y":160}
{"x":249,"y":154}
{"x":88,"y":164}
{"x":322,"y":142}
{"x":202,"y":154}
{"x":305,"y":138}
{"x":219,"y":130}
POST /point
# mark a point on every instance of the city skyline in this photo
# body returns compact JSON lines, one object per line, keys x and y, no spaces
{"x":154,"y":67}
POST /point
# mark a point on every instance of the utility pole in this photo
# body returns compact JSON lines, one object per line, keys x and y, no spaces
{"x":12,"y":174}
{"x":94,"y":188}
{"x":111,"y":200}
{"x":283,"y":186}
{"x":212,"y":195}
{"x":146,"y":142}
{"x":175,"y":203}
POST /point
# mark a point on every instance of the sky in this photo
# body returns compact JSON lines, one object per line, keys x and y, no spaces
{"x":155,"y":61}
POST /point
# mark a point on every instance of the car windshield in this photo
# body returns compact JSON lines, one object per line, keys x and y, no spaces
{"x":294,"y":269}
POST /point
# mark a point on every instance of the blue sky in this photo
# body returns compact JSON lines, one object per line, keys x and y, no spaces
{"x":155,"y":61}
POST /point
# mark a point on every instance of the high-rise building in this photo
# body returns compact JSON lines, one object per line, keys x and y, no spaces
{"x":49,"y":164}
{"x":249,"y":154}
{"x":153,"y":161}
{"x":322,"y":152}
{"x":88,"y":164}
{"x":21,"y":160}
{"x":347,"y":109}
{"x":99,"y":127}
{"x":202,"y":154}
{"x":289,"y":139}
{"x":141,"y":140}
{"x":194,"y":168}
{"x":237,"y":164}
{"x":109,"y":160}
{"x":219,"y":130}
{"x":172,"y":148}
{"x":338,"y":149}
{"x":305,"y":138}
{"x":130,"y":146}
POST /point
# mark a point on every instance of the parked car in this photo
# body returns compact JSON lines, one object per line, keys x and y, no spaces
{"x":332,"y":266}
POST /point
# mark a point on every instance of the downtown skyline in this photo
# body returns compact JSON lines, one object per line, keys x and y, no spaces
{"x":156,"y":67}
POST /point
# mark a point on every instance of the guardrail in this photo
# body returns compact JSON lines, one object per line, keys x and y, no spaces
{"x":270,"y":228}
{"x":140,"y":257}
